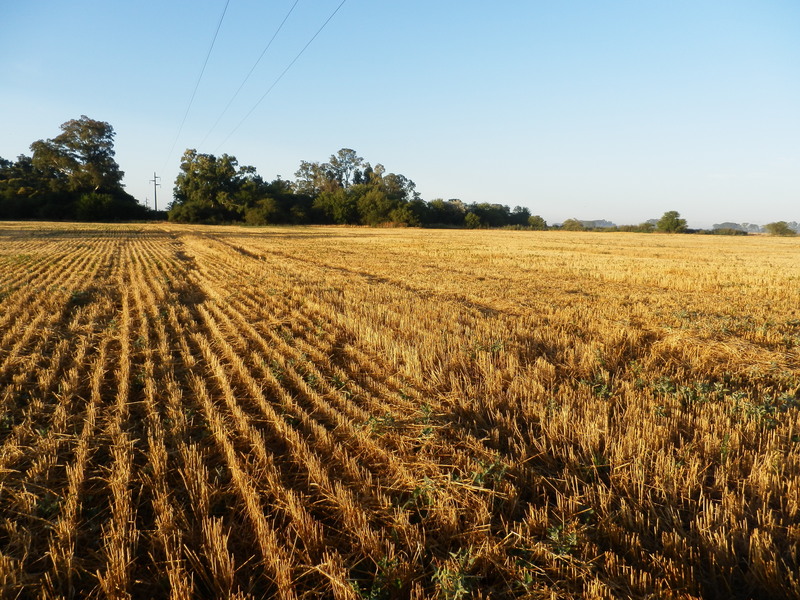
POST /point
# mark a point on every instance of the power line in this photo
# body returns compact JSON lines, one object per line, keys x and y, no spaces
{"x":274,"y":83}
{"x":197,"y":85}
{"x":253,"y":68}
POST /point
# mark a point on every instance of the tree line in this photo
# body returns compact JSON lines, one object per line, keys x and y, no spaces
{"x":74,"y":176}
{"x":345,"y":190}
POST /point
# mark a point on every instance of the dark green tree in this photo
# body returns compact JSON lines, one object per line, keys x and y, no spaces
{"x":212,"y":189}
{"x":275,"y":203}
{"x":416,"y":213}
{"x":348,"y":190}
{"x":671,"y":222}
{"x":520,"y":216}
{"x":472,"y":221}
{"x":22,"y":189}
{"x":398,"y":187}
{"x":71,"y":176}
{"x":95,"y":206}
{"x":491,"y":215}
{"x":81,"y":158}
{"x":264,"y":211}
{"x":446,"y":212}
{"x":339,"y":206}
{"x":374,"y":205}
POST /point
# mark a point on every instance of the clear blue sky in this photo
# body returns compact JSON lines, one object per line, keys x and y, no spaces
{"x":591,"y":109}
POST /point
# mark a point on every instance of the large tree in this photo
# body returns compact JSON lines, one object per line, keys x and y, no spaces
{"x":342,"y":170}
{"x":348,"y":190}
{"x":671,"y":222}
{"x":344,"y":165}
{"x":71,"y":176}
{"x":312,"y":179}
{"x":81,"y":158}
{"x":212,"y":189}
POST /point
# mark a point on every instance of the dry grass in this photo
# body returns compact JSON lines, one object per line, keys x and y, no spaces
{"x":349,"y":413}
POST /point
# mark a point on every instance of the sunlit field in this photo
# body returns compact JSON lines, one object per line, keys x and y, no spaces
{"x":198,"y":412}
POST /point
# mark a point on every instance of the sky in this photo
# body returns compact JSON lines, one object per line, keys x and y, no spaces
{"x":588,"y":109}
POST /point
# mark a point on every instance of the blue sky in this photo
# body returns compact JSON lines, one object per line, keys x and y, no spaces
{"x":618,"y":110}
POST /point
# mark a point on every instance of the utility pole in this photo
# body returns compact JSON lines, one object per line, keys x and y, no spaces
{"x":156,"y":185}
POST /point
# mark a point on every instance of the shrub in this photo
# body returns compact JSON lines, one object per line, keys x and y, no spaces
{"x":780,"y":228}
{"x":472,"y":221}
{"x":537,"y":223}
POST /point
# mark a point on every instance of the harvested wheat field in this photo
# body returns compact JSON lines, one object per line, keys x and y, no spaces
{"x":197,"y":412}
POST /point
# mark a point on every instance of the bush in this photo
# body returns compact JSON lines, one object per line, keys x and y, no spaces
{"x":780,"y":228}
{"x":725,"y":231}
{"x":537,"y":223}
{"x":95,"y":207}
{"x":472,"y":221}
{"x":572,"y":225}
{"x":262,"y":213}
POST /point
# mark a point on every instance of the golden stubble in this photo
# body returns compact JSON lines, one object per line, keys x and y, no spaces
{"x":342,"y":412}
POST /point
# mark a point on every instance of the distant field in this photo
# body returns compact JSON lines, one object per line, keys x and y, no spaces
{"x":382,"y":413}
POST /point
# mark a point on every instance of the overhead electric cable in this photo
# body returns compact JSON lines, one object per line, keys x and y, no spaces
{"x":253,"y":68}
{"x":197,"y":85}
{"x":274,"y":83}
